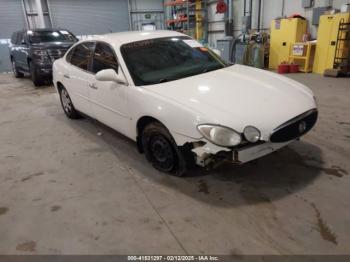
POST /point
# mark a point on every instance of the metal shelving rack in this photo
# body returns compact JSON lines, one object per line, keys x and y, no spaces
{"x":342,"y":51}
{"x":188,"y":17}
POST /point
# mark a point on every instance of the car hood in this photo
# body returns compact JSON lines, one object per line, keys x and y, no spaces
{"x":238,"y":96}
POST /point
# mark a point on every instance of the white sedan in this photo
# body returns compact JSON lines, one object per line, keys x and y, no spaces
{"x":181,"y":102}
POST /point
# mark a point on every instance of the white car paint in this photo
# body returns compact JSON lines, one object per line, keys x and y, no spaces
{"x":236,"y":96}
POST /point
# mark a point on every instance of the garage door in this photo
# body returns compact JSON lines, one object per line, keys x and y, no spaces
{"x":11,"y":19}
{"x":86,"y":17}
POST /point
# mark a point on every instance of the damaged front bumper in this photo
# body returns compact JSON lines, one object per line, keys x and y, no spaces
{"x":207,"y":153}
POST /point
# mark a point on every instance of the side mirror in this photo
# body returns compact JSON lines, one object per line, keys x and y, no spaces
{"x":217,"y":51}
{"x":110,"y":75}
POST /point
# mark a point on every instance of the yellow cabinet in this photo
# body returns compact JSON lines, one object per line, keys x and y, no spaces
{"x":327,"y":41}
{"x":284,"y":32}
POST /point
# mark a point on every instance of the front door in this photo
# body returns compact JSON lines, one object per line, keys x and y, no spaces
{"x":109,"y":99}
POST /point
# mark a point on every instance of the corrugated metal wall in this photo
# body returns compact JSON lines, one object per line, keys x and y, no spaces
{"x":11,"y":19}
{"x":87,"y":17}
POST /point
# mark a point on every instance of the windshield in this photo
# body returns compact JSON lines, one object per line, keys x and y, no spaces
{"x":50,"y":36}
{"x":166,"y":59}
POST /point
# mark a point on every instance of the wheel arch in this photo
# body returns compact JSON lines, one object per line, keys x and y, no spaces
{"x":142,"y":122}
{"x":179,"y":139}
{"x":59,"y":86}
{"x":184,"y":145}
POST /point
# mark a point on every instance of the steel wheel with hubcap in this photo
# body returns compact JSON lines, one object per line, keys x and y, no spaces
{"x":161,"y":150}
{"x":162,"y":153}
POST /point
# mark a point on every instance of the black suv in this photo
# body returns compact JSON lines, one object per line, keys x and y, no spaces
{"x":34,"y":51}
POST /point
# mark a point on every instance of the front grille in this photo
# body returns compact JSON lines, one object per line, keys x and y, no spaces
{"x":56,"y":53}
{"x":295,"y":127}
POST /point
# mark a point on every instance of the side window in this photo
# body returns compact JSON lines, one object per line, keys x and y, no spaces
{"x":104,"y":58}
{"x":14,"y":38}
{"x":81,"y":55}
{"x":20,"y":38}
{"x":69,"y":55}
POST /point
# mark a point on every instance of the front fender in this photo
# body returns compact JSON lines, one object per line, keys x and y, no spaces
{"x":179,"y":120}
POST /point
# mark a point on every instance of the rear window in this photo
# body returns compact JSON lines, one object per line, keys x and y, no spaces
{"x":15,"y":38}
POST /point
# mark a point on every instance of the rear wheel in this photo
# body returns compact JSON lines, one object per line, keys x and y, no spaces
{"x":161,"y":150}
{"x":67,"y":105}
{"x":16,"y":73}
{"x":36,"y":77}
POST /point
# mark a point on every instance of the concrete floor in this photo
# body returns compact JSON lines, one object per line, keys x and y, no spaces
{"x":64,"y":189}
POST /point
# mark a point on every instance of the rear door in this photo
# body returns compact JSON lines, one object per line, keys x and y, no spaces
{"x":13,"y":46}
{"x":23,"y":51}
{"x":17,"y":49}
{"x":109,"y":99}
{"x":77,"y":76}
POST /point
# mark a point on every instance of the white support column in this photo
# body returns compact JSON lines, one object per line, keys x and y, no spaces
{"x":130,"y":16}
{"x":40,"y":14}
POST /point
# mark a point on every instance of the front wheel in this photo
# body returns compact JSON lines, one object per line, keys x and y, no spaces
{"x":36,"y":77}
{"x":161,"y":150}
{"x":67,"y":105}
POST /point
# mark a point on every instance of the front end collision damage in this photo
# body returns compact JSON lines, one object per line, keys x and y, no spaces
{"x":206,"y":154}
{"x":198,"y":151}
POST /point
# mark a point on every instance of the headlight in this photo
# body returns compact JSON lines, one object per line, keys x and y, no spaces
{"x":252,"y":134}
{"x":220,"y":135}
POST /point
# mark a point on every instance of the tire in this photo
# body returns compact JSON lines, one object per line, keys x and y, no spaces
{"x":36,"y":77}
{"x":67,"y":105}
{"x":15,"y":71}
{"x":161,"y":150}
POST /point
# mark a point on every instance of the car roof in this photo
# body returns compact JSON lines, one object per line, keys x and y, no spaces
{"x":134,"y":36}
{"x":41,"y":30}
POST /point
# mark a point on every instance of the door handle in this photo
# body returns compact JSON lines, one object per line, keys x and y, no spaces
{"x":93,"y":86}
{"x":66,"y":76}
